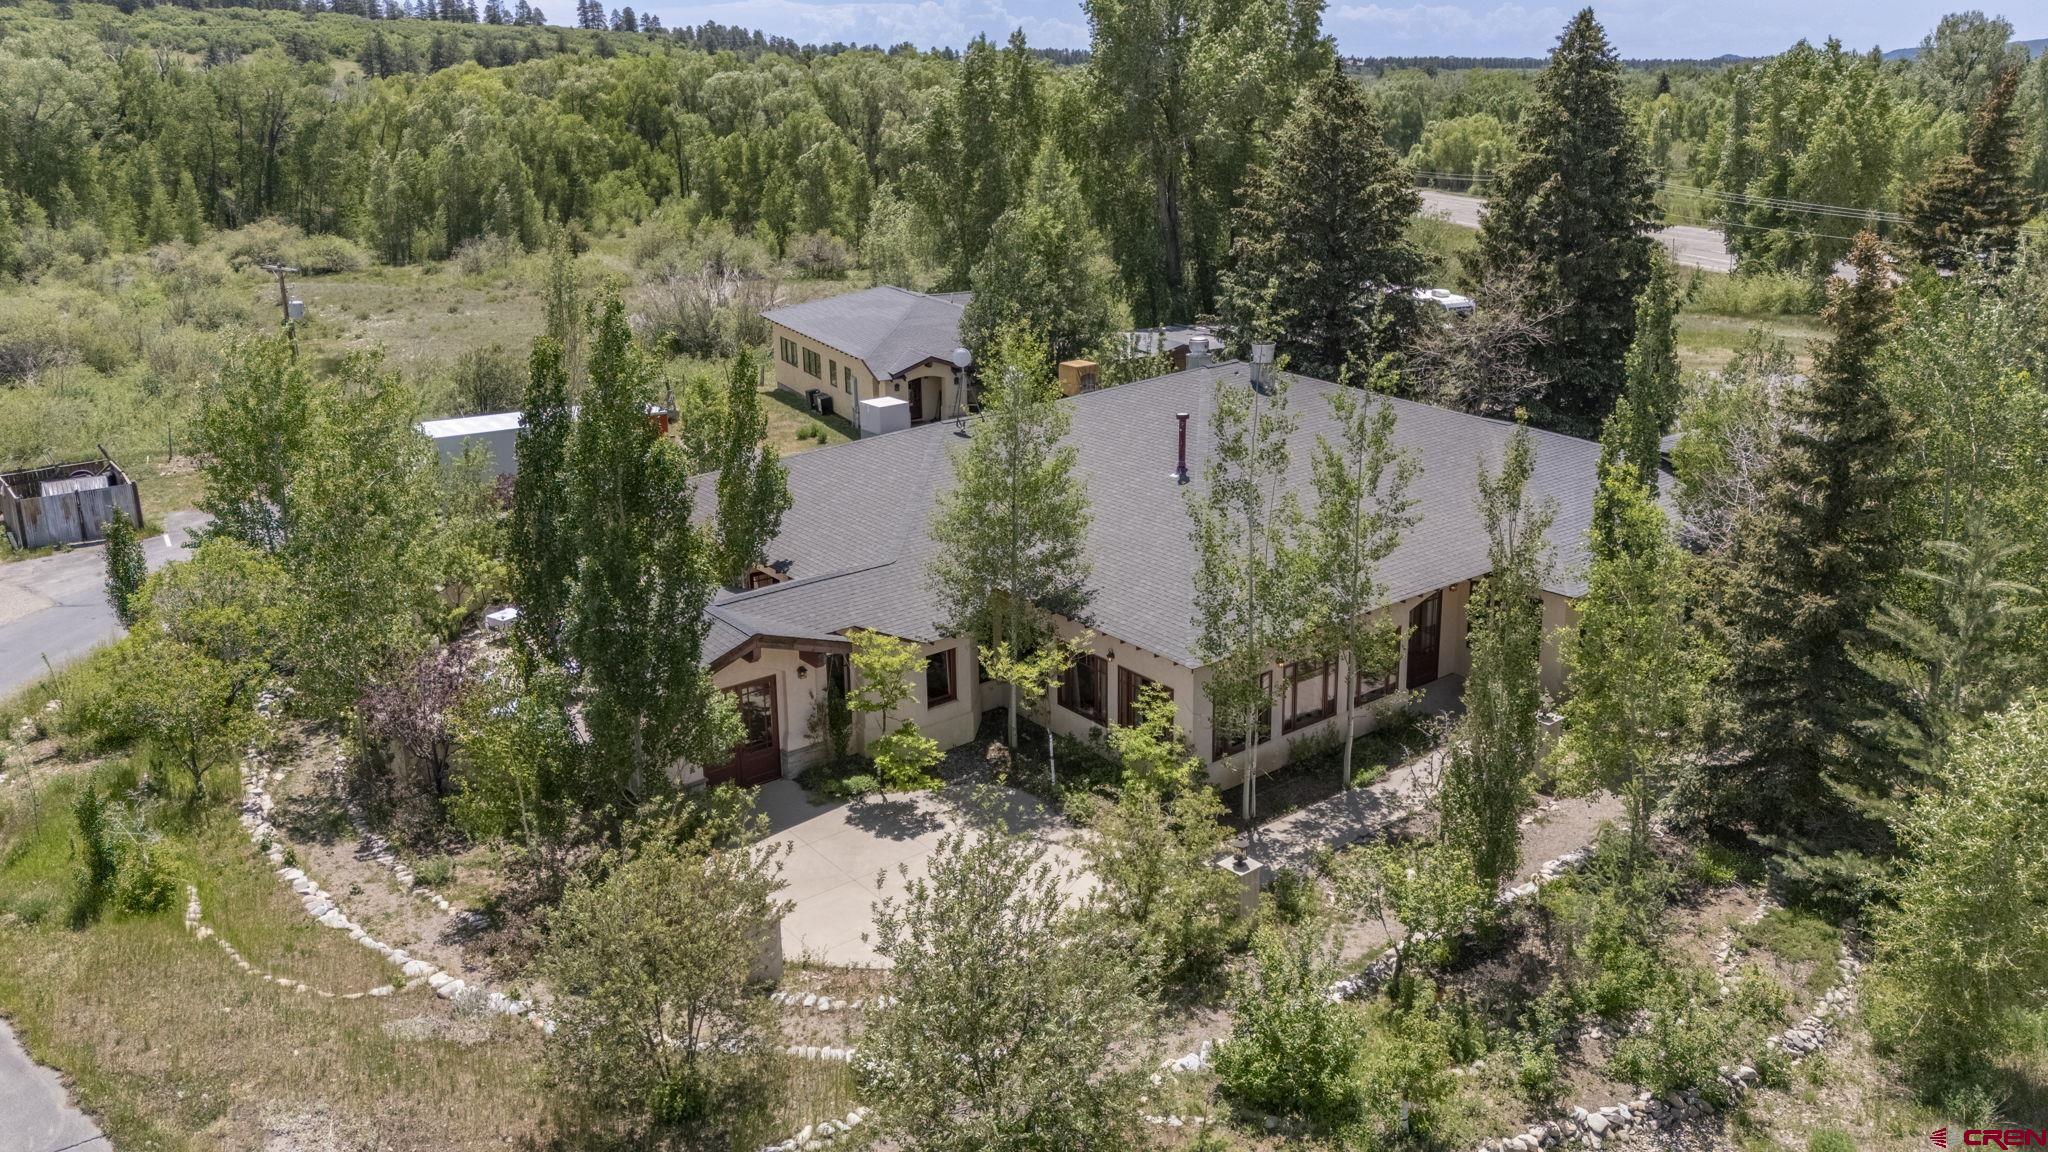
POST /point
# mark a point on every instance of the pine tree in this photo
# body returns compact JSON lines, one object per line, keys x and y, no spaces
{"x":644,"y":577}
{"x":1816,"y":560}
{"x":753,"y":486}
{"x":127,"y":568}
{"x":541,"y":542}
{"x":1245,"y":577}
{"x":190,"y":217}
{"x":1972,"y":207}
{"x":1012,"y":531}
{"x":1321,"y":258}
{"x":1362,"y":507}
{"x":1497,"y":743}
{"x":1576,"y":209}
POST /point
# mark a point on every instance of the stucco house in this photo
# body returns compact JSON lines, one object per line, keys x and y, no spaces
{"x":880,"y":342}
{"x":853,"y":550}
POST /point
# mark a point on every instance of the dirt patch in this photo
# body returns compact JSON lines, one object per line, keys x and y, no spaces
{"x":421,"y":1029}
{"x":317,"y":1129}
{"x":327,"y":846}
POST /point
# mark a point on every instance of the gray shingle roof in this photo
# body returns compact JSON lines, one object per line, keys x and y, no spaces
{"x":890,"y":328}
{"x":858,"y":534}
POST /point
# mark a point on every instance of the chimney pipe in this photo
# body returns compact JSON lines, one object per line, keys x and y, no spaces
{"x":1180,"y":472}
{"x":1262,"y":365}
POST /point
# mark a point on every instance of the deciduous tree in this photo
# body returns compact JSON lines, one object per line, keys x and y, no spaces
{"x":127,"y":568}
{"x":643,"y":578}
{"x":753,"y":486}
{"x":1362,"y":507}
{"x":1012,"y":530}
{"x":1045,"y":269}
{"x":1632,"y":685}
{"x":1242,"y":519}
{"x":1497,"y":743}
{"x":1038,"y":1059}
{"x":541,"y":543}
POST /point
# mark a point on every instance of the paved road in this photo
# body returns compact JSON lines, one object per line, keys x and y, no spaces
{"x":1690,"y":246}
{"x":36,"y":1114}
{"x":56,"y":606}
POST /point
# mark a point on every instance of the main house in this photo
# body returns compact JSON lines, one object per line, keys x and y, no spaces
{"x":854,"y":548}
{"x":885,"y":347}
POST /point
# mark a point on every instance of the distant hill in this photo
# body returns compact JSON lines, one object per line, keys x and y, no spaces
{"x":1380,"y":65}
{"x":2033,"y":47}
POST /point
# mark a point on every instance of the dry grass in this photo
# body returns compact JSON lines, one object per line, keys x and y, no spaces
{"x":172,"y":1048}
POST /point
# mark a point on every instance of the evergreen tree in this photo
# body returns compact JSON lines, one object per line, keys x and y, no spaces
{"x":1972,"y":207}
{"x":1321,"y":257}
{"x":1044,"y":268}
{"x":126,"y":568}
{"x":1575,"y":209}
{"x":644,"y":576}
{"x":190,"y":217}
{"x":1632,"y":684}
{"x":1818,"y":557}
{"x":753,"y":486}
{"x":1497,"y":743}
{"x":541,"y":545}
{"x":1242,"y":520}
{"x":1362,"y":507}
{"x":1957,"y":658}
{"x":1012,"y":531}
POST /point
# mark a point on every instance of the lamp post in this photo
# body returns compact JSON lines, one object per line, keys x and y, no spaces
{"x":962,"y":358}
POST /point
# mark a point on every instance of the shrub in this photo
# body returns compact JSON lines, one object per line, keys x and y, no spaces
{"x":1155,"y":860}
{"x":1830,"y":1140}
{"x":820,"y":256}
{"x":1404,"y":1076}
{"x":325,"y":253}
{"x":260,"y":242}
{"x":1293,"y":1049}
{"x":1688,"y":1034}
{"x":480,"y":255}
{"x":1757,"y":294}
{"x":650,"y":966}
{"x":99,"y":860}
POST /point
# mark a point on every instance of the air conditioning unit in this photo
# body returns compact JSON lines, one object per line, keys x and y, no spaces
{"x":812,"y":396}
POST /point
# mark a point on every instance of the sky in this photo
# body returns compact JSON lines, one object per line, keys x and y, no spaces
{"x":1639,"y":28}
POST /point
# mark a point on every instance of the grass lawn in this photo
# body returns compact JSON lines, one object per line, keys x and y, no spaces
{"x":173,"y":1048}
{"x":1706,"y":341}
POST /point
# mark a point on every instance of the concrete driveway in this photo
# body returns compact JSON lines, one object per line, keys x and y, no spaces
{"x":1690,"y":247}
{"x":55,"y":607}
{"x":844,"y":857}
{"x":35,"y":1112}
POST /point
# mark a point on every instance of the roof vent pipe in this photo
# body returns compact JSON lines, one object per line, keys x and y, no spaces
{"x":1180,"y":472}
{"x":1262,"y":365}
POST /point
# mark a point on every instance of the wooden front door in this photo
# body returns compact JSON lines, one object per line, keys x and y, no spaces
{"x":1425,"y":639}
{"x":917,"y":401}
{"x":758,"y":759}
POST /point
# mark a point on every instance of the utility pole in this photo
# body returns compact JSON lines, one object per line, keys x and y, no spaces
{"x":284,"y":298}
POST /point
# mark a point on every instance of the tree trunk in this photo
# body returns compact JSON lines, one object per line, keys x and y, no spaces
{"x":1350,"y":738}
{"x":1012,"y":722}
